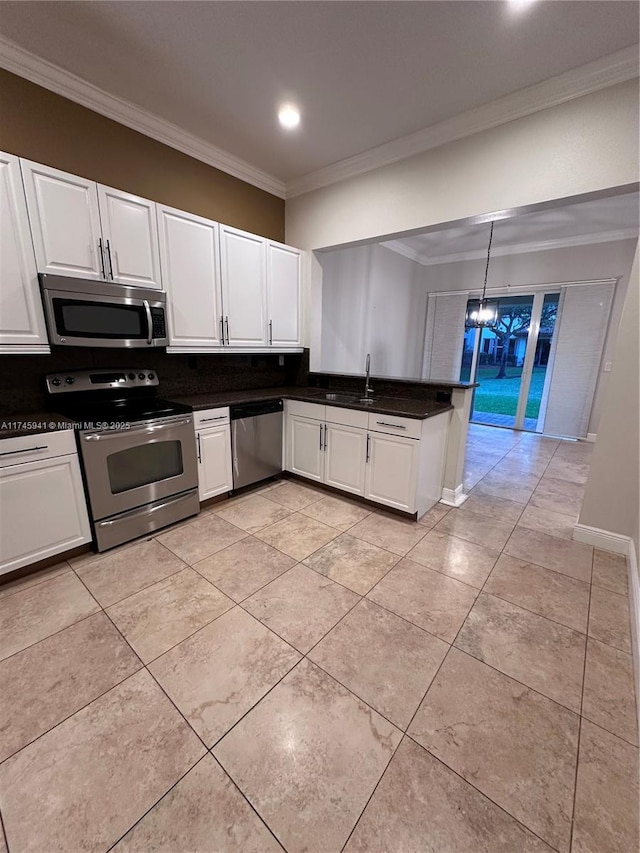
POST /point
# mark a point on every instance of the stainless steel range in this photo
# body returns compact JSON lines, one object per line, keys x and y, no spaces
{"x":138,"y":452}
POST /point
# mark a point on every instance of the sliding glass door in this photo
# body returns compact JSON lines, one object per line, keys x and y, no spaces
{"x":510,"y":362}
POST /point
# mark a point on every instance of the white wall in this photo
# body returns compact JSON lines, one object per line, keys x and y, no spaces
{"x":574,"y":263}
{"x":612,"y":499}
{"x":584,"y":145}
{"x":373,"y":300}
{"x":587,"y":144}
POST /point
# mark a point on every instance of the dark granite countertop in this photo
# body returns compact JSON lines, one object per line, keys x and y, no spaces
{"x":32,"y":423}
{"x":419,"y":409}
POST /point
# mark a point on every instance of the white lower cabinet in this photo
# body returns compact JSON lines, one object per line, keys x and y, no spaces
{"x":345,"y":458}
{"x":213,"y":441}
{"x":391,"y":470}
{"x":349,"y":450}
{"x":43,"y":511}
{"x":305,"y":448}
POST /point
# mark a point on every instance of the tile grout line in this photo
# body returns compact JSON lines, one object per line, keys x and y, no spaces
{"x":168,"y":791}
{"x":584,"y":677}
{"x":146,"y":669}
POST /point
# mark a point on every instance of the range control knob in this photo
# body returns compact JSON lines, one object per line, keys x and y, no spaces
{"x":141,"y":376}
{"x":151,"y":376}
{"x":69,"y":380}
{"x":55,"y":381}
{"x":132,"y":376}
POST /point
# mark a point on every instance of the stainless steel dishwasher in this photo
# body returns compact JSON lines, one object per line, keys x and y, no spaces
{"x":256,"y":441}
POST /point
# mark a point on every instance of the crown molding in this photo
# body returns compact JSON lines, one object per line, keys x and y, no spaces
{"x":515,"y":249}
{"x":20,"y":61}
{"x":612,"y":69}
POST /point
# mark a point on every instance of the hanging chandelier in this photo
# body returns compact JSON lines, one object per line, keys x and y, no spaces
{"x":483,"y":313}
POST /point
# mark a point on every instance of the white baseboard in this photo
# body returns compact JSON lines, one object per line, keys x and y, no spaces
{"x":605,"y":540}
{"x":634,"y":609}
{"x":453,"y":497}
{"x":591,"y":436}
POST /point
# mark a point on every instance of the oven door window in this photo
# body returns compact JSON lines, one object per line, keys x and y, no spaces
{"x":87,"y":319}
{"x":143,"y":465}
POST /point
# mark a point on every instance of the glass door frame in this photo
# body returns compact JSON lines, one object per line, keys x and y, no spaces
{"x":538,"y":294}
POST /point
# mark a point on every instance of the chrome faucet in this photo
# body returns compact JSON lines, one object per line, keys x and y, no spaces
{"x":368,"y":390}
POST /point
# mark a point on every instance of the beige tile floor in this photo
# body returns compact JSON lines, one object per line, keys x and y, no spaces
{"x":293,"y":670}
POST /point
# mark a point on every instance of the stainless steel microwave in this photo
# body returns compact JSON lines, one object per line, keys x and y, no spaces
{"x":86,"y":313}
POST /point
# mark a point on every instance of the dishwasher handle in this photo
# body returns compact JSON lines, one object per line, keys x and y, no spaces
{"x":252,"y":410}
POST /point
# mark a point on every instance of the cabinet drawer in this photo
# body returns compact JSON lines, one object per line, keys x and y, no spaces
{"x":211,"y":417}
{"x":408,"y":427}
{"x":305,"y":410}
{"x":28,"y":448}
{"x":347,"y":417}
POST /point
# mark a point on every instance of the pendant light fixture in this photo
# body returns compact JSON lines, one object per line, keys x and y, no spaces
{"x":483,"y":313}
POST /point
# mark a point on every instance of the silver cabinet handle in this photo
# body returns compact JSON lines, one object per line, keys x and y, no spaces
{"x":222,"y":330}
{"x":199,"y":448}
{"x":326,"y":436}
{"x":109,"y":259}
{"x":26,"y":450}
{"x":103,"y":269}
{"x":226,"y":322}
{"x":368,"y":445}
{"x":321,"y":425}
{"x":270,"y":331}
{"x":218,"y":418}
{"x":147,"y":311}
{"x":395,"y":426}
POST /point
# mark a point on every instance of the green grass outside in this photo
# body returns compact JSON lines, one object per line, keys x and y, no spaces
{"x":500,"y":396}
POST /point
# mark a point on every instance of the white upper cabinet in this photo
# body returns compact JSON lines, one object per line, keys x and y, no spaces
{"x":22,"y":327}
{"x":244,"y":293}
{"x":283,"y":295}
{"x":86,"y":230}
{"x":191,"y":276}
{"x":65,"y":223}
{"x":130,"y":234}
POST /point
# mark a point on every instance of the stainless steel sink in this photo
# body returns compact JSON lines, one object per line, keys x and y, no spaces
{"x":348,"y":398}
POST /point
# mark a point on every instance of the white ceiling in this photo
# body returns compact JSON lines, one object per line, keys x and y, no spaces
{"x":614,"y":218}
{"x":363,"y":73}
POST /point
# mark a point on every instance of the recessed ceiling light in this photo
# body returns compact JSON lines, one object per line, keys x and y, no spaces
{"x":521,"y":4}
{"x":289,"y":116}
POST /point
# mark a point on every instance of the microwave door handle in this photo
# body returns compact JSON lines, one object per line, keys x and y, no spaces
{"x":145,"y":302}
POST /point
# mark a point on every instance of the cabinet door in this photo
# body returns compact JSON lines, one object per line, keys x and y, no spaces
{"x":214,"y":461}
{"x":42,"y":511}
{"x":391,"y":471}
{"x":244,"y":294}
{"x":22,"y":328}
{"x":65,"y":223}
{"x":345,"y":455}
{"x":191,"y":276}
{"x":130,"y":233}
{"x":305,"y":454}
{"x":283,"y":292}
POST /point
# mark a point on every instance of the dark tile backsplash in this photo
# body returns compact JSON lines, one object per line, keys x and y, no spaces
{"x":22,"y":377}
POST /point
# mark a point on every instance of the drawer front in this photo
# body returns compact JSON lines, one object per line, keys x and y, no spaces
{"x":347,"y":417}
{"x":305,"y":410}
{"x":29,"y":448}
{"x":211,"y":417}
{"x":408,"y":427}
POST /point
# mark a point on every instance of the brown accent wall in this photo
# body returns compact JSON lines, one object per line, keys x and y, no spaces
{"x":42,"y":126}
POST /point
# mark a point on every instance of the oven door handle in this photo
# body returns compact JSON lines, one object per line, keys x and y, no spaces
{"x":147,"y":428}
{"x":147,"y":310}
